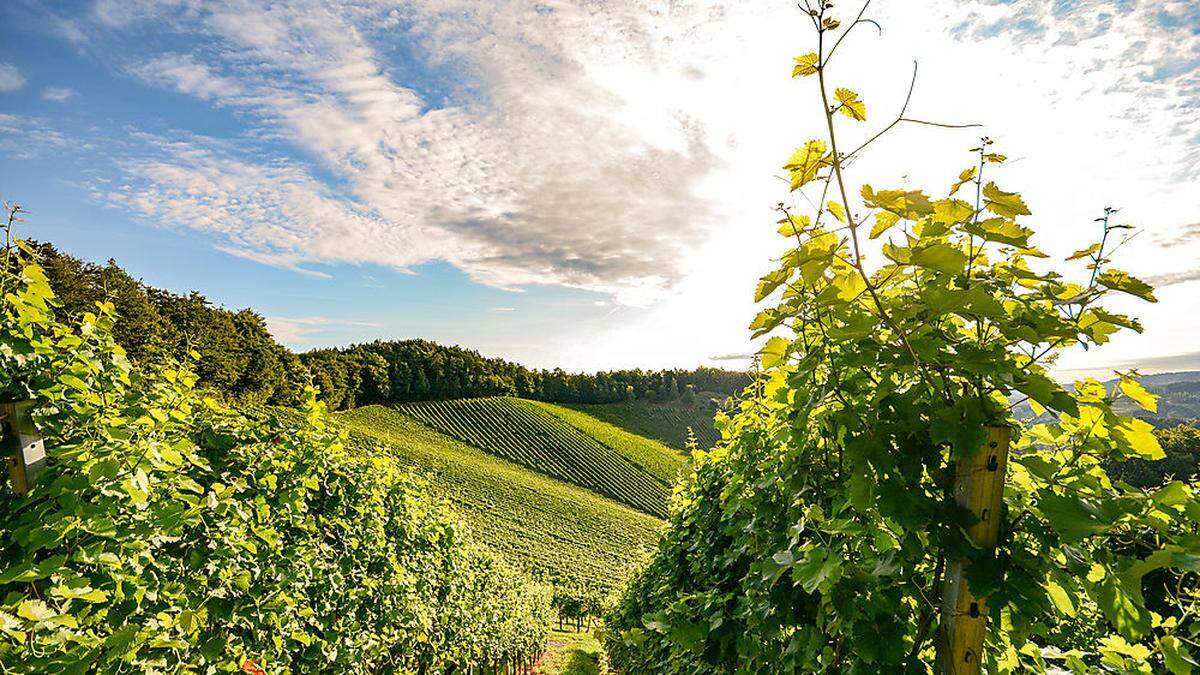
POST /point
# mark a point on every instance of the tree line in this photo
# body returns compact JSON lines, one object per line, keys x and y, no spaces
{"x":234,"y":353}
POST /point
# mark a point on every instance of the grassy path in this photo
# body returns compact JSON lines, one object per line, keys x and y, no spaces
{"x":570,"y":653}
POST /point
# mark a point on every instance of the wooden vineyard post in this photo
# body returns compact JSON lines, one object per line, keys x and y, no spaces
{"x":978,"y":487}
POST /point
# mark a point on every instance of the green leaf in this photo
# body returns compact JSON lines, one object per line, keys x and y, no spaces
{"x":805,"y":162}
{"x":1176,"y":656}
{"x":819,"y":566}
{"x":770,"y":282}
{"x":1138,"y":394}
{"x":1123,"y":282}
{"x":806,"y":64}
{"x":911,"y":204}
{"x":883,"y":222}
{"x":963,"y":178}
{"x":774,"y":352}
{"x":837,"y":211}
{"x":850,"y":105}
{"x":1006,"y":204}
{"x":1122,"y":608}
{"x":1073,"y":518}
{"x":1060,"y":598}
{"x":1175,"y":493}
{"x":941,"y":256}
{"x":793,"y":225}
{"x":849,"y":286}
{"x":1000,"y":230}
{"x":1046,"y":392}
{"x":1139,"y":437}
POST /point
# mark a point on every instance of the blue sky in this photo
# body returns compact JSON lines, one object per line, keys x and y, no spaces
{"x":579,"y":184}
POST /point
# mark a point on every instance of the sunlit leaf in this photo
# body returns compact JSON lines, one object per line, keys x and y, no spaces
{"x":883,"y":222}
{"x":1083,"y":253}
{"x":1123,"y":282}
{"x":836,"y":209}
{"x":966,"y":176}
{"x":1138,"y":394}
{"x":805,"y":162}
{"x":806,"y":64}
{"x":911,"y":204}
{"x":770,"y":282}
{"x":941,"y":256}
{"x":1006,"y":204}
{"x":793,"y":225}
{"x":950,"y":211}
{"x":774,"y":352}
{"x":850,"y":105}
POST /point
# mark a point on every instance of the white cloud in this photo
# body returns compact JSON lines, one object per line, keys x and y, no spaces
{"x":11,"y":78}
{"x":58,"y":94}
{"x":275,"y":214}
{"x":550,"y":185}
{"x":299,"y":331}
{"x":184,"y":74}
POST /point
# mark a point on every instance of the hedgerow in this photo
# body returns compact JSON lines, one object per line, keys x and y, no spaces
{"x":171,"y":533}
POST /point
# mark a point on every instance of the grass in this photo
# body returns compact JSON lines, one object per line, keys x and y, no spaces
{"x":526,"y":433}
{"x":570,"y":653}
{"x":558,"y":532}
{"x":668,"y":423}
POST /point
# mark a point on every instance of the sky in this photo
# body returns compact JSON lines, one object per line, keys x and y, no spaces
{"x":585,"y":184}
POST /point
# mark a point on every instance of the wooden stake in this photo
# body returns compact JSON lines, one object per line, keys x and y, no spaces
{"x":978,"y":487}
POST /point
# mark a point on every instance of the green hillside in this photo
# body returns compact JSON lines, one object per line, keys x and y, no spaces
{"x":527,"y":434}
{"x":556,"y":531}
{"x":666,"y":422}
{"x":652,"y":455}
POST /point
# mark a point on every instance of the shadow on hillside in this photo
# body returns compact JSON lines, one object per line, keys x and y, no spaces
{"x":581,"y":663}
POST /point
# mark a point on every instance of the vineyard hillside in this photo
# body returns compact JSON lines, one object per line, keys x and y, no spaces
{"x":650,"y":454}
{"x":668,"y":423}
{"x":558,"y":532}
{"x":525,"y":433}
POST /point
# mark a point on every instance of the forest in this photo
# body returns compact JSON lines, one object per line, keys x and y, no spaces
{"x":238,"y":356}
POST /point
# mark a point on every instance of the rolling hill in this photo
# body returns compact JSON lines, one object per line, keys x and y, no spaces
{"x":557,"y":531}
{"x":528,"y":434}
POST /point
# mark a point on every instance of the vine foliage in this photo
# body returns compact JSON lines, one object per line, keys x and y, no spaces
{"x":169,"y":533}
{"x":816,"y":536}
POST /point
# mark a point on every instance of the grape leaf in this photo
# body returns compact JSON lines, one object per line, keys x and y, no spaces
{"x":883,"y":222}
{"x":806,"y":64}
{"x":805,"y":162}
{"x":1121,"y":281}
{"x":965,"y":176}
{"x":941,"y":256}
{"x":851,"y":106}
{"x":1007,"y":204}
